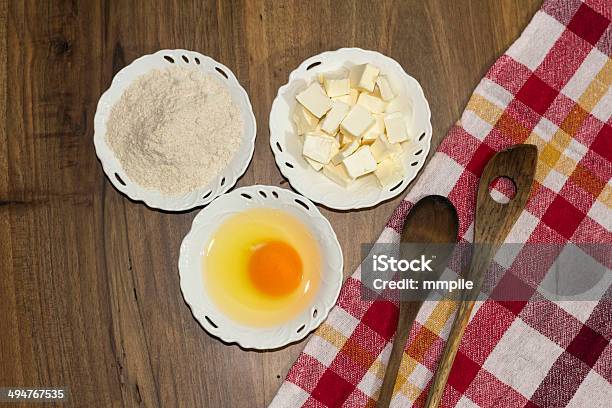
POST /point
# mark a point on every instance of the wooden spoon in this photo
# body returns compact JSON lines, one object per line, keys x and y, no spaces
{"x":492,"y":224}
{"x":432,"y":220}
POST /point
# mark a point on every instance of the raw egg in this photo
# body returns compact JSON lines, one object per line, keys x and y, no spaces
{"x":262,"y":267}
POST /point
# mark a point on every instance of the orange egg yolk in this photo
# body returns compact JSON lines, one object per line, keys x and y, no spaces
{"x":275,"y":268}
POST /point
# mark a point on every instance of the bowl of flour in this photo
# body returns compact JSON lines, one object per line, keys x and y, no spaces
{"x":175,"y":130}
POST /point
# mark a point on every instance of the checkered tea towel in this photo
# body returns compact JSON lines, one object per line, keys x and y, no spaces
{"x":551,"y":89}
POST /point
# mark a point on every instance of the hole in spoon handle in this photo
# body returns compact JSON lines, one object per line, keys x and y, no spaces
{"x":494,"y":220}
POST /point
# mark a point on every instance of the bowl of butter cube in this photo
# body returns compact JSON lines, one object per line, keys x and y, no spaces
{"x":350,"y":129}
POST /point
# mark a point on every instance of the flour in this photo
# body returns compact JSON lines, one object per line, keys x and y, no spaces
{"x":174,"y":130}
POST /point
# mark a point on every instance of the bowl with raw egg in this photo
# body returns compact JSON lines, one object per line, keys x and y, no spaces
{"x":260,"y":267}
{"x":350,"y":129}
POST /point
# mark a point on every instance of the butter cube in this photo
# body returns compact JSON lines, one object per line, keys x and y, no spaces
{"x":336,"y":87}
{"x":349,"y":99}
{"x":374,"y":131}
{"x":346,"y":138}
{"x":359,"y":163}
{"x":319,"y":148}
{"x":337,"y":174}
{"x":382,"y":148}
{"x":354,"y":94}
{"x":314,"y":164}
{"x":389,"y":172}
{"x":336,"y":148}
{"x":319,"y":130}
{"x":357,"y":121}
{"x":345,"y":152}
{"x":333,"y":118}
{"x":395,"y":123}
{"x":384,"y":88}
{"x":364,"y":77}
{"x":338,"y":137}
{"x":371,"y":102}
{"x":395,"y":105}
{"x":304,"y":120}
{"x":344,"y":99}
{"x":336,"y":74}
{"x":314,"y":99}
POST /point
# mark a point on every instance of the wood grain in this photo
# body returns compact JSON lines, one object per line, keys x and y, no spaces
{"x":492,"y":224}
{"x":89,"y":291}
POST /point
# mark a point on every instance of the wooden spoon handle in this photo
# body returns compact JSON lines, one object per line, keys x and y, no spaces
{"x":450,"y":351}
{"x":408,"y":312}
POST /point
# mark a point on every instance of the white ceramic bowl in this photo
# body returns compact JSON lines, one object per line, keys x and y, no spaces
{"x":222,"y":181}
{"x":365,"y":192}
{"x":212,"y":319}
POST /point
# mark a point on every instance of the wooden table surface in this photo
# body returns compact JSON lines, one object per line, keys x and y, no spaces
{"x":89,"y":288}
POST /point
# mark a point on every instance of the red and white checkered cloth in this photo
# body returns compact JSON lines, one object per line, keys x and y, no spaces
{"x":551,"y":89}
